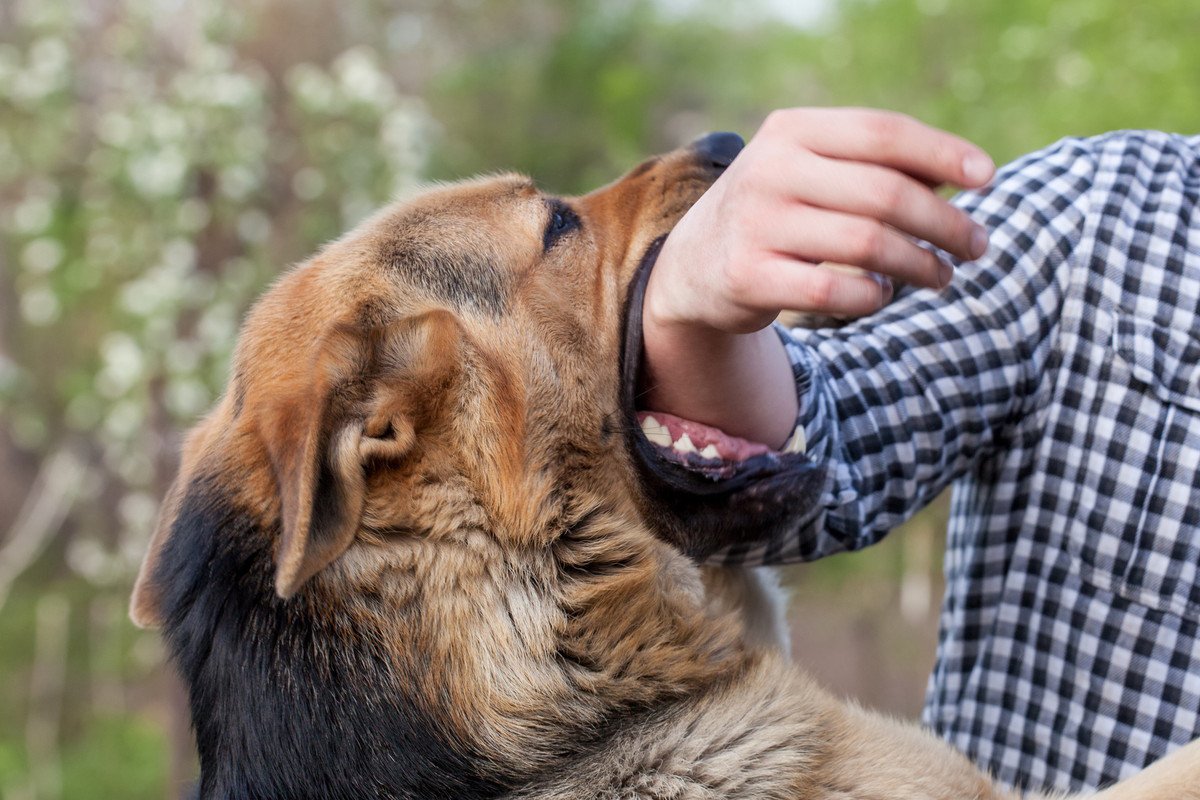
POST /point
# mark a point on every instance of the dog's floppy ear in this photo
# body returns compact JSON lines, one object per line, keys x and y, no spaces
{"x":322,"y":445}
{"x":362,"y":403}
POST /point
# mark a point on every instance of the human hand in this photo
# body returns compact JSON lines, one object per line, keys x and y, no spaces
{"x":848,"y":186}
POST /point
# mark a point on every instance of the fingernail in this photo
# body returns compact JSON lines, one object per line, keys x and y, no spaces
{"x":945,"y":273}
{"x":979,"y":241}
{"x":977,"y":168}
{"x":885,"y":283}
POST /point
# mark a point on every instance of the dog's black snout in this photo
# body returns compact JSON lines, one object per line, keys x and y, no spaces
{"x":719,"y":148}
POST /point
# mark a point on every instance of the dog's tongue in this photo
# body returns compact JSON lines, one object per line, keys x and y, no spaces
{"x":685,"y":436}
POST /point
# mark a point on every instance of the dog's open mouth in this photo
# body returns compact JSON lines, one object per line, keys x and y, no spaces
{"x":705,"y":488}
{"x":686,"y":441}
{"x":702,"y":448}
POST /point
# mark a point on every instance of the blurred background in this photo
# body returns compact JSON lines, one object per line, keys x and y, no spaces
{"x":161,"y":160}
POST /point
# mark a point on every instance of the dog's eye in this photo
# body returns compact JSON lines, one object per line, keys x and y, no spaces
{"x":562,"y":221}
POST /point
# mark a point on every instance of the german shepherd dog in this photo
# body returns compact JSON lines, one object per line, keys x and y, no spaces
{"x":422,"y":548}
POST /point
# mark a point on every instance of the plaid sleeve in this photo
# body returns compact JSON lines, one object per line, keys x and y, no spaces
{"x":902,"y":403}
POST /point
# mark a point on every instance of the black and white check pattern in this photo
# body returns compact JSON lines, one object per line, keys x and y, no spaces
{"x":1056,"y":385}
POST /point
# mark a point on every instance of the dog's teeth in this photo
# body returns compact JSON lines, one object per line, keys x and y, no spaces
{"x":710,"y":452}
{"x":798,"y":443}
{"x":656,"y":432}
{"x":684,"y":445}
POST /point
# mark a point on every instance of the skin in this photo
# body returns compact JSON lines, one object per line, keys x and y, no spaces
{"x":814,"y":187}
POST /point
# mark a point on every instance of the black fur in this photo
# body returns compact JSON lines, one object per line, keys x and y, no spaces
{"x":289,"y":699}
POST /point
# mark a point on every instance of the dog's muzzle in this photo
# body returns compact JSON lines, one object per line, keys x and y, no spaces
{"x":700,"y":503}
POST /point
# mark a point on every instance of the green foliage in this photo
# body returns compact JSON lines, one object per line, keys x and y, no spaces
{"x":111,"y":742}
{"x":119,"y":757}
{"x":155,"y":181}
{"x":1015,"y":75}
{"x":597,"y":89}
{"x":596,"y":92}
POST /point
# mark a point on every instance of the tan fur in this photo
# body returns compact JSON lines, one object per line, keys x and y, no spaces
{"x":460,"y":387}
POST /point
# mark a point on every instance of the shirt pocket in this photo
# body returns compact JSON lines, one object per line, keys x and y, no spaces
{"x":1147,"y":479}
{"x":1166,"y":361}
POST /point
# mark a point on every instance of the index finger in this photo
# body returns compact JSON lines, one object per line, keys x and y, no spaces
{"x":888,"y":139}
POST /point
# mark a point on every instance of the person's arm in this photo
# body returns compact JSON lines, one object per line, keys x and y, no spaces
{"x":900,"y":404}
{"x":851,"y":186}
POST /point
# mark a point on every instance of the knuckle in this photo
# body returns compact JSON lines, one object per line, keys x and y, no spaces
{"x":891,"y":196}
{"x":869,"y":240}
{"x":881,"y":124}
{"x":775,"y":121}
{"x":818,"y":290}
{"x":782,"y":121}
{"x":741,"y":220}
{"x":887,"y":126}
{"x":752,"y":165}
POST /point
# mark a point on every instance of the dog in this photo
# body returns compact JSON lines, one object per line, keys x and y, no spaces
{"x":422,"y":547}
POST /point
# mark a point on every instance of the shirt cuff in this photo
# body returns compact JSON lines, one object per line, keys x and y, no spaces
{"x":816,"y":430}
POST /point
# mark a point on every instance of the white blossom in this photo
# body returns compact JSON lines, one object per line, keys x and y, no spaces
{"x":308,"y":183}
{"x":33,"y":214}
{"x":360,"y":77}
{"x":42,"y":255}
{"x":40,"y":306}
{"x":123,"y":364}
{"x":158,"y":173}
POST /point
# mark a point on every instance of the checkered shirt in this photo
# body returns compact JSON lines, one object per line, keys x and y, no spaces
{"x":1056,"y":385}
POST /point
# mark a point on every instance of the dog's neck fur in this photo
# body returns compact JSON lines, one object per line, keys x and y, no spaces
{"x":289,"y":696}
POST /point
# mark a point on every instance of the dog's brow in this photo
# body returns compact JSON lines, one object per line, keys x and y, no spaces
{"x":521,"y":186}
{"x":464,"y":279}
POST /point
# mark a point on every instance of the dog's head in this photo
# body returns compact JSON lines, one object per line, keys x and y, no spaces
{"x":457,"y":360}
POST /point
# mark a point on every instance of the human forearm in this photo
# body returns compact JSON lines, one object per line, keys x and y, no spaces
{"x":740,"y":383}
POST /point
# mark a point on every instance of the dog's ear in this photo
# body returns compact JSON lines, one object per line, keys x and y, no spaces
{"x":323,"y":444}
{"x":361,"y":405}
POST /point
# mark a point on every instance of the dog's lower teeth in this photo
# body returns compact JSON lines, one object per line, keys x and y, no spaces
{"x":798,"y":443}
{"x":710,"y":452}
{"x":684,"y":445}
{"x":656,"y":432}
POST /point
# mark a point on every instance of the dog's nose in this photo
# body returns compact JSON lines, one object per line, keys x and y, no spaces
{"x":719,"y":148}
